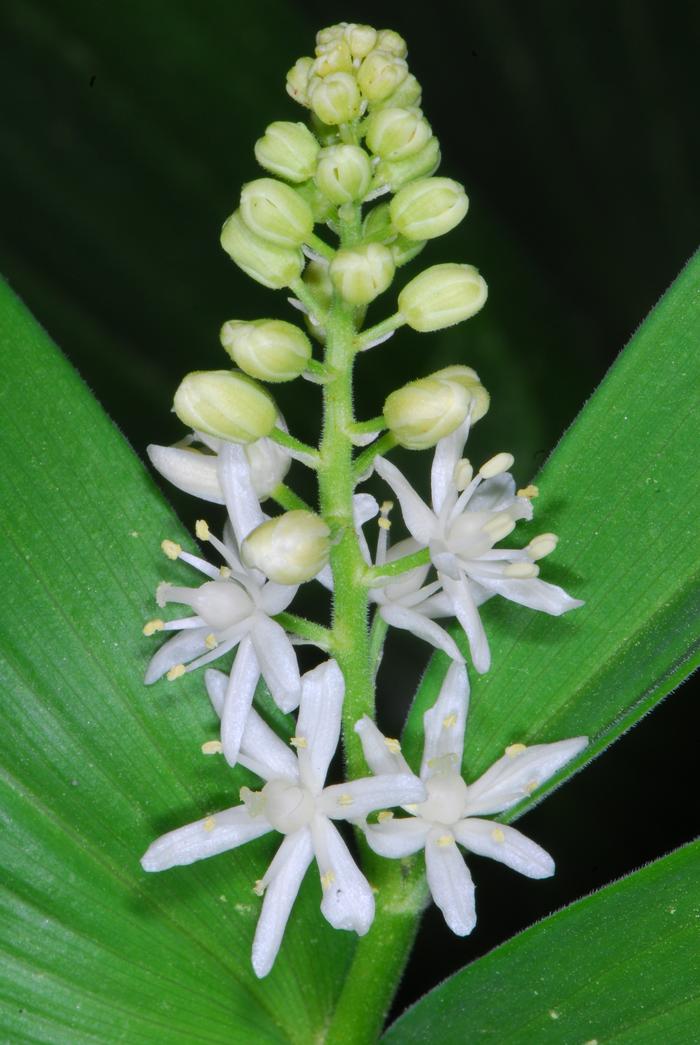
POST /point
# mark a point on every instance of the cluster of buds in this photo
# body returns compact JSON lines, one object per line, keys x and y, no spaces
{"x":367,"y":137}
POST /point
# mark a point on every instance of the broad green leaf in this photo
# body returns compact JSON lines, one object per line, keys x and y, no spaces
{"x":94,"y":765}
{"x":622,"y":491}
{"x":620,"y":965}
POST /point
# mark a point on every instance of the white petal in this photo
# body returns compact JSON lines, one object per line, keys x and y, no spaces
{"x":381,"y":756}
{"x":356,"y":799}
{"x":449,"y":881}
{"x":274,"y":598}
{"x":264,"y":753}
{"x":467,"y":614}
{"x":178,"y":650}
{"x":189,"y":470}
{"x":206,"y":837}
{"x":439,"y":605}
{"x":423,"y":627}
{"x":534,"y":593}
{"x":278,"y":661}
{"x":506,"y":845}
{"x":216,"y":683}
{"x":242,"y":503}
{"x":364,"y":508}
{"x":447,"y":453}
{"x":494,"y":495}
{"x":445,"y":722}
{"x":325,"y":577}
{"x":418,"y":517}
{"x":347,"y":902}
{"x":318,"y":724}
{"x":283,"y":880}
{"x":516,"y":775}
{"x":406,"y":584}
{"x":238,"y":699}
{"x":398,"y":838}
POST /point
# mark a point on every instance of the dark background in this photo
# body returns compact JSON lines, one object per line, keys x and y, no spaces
{"x":126,"y":133}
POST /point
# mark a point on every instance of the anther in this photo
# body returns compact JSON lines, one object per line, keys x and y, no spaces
{"x":542,"y":545}
{"x":211,"y":641}
{"x":498,"y":526}
{"x":209,"y":824}
{"x":531,"y":786}
{"x":529,"y":491}
{"x":298,"y":742}
{"x":259,"y":887}
{"x":393,"y":745}
{"x":496,"y":465}
{"x":444,"y":840}
{"x":449,"y":721}
{"x":521,"y":570}
{"x":515,"y":749}
{"x":385,"y":815}
{"x":152,"y":626}
{"x":172,"y":549}
{"x":463,"y":474}
{"x":498,"y":835}
{"x":202,"y":530}
{"x":327,"y":879}
{"x":345,"y":799}
{"x":175,"y":673}
{"x":225,"y":571}
{"x":212,"y":747}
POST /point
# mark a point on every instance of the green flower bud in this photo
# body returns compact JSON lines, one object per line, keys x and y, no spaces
{"x":377,"y":227}
{"x":360,"y":39}
{"x":442,"y":296}
{"x":329,"y":35}
{"x":404,"y":250}
{"x":321,"y":207}
{"x":394,"y":134}
{"x":275,"y":212}
{"x":324,"y":132}
{"x":429,"y":207}
{"x":288,"y":150}
{"x":268,"y":349}
{"x":361,"y":274}
{"x":397,"y":173}
{"x":225,"y":404}
{"x":335,"y":99}
{"x":406,"y":96}
{"x":265,"y":262}
{"x":391,"y":42}
{"x":469,"y":379}
{"x":344,"y":173}
{"x":333,"y":57}
{"x":290,"y":548}
{"x":298,"y":80}
{"x":425,"y":411}
{"x":380,"y":74}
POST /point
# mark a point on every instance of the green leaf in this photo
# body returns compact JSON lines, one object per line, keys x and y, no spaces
{"x":619,"y":965}
{"x":95,"y":765}
{"x":622,"y":491}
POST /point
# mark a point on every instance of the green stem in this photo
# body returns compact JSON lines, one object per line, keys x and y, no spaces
{"x":289,"y":500}
{"x":290,"y":443}
{"x":321,"y":247}
{"x":363,"y":462}
{"x":366,"y":339}
{"x":375,"y":424}
{"x":375,"y":574}
{"x":306,"y":629}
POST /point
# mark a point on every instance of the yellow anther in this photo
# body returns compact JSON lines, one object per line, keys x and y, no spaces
{"x":521,"y":570}
{"x":384,"y":816}
{"x":449,"y":721}
{"x":299,"y":742}
{"x":498,"y":835}
{"x":259,"y":887}
{"x":327,"y":879}
{"x":345,"y":799}
{"x":498,"y":526}
{"x":209,"y":824}
{"x":531,"y":786}
{"x":463,"y":474}
{"x":211,"y":641}
{"x":383,"y":523}
{"x":496,"y":465}
{"x":515,"y":749}
{"x":392,"y":745}
{"x":542,"y":545}
{"x":444,"y":840}
{"x":201,"y":528}
{"x":152,"y":626}
{"x":212,"y":747}
{"x":386,"y":507}
{"x":175,"y":673}
{"x":529,"y":491}
{"x":225,"y":571}
{"x":171,"y":548}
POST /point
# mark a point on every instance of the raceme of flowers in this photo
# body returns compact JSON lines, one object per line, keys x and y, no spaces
{"x":366,"y":139}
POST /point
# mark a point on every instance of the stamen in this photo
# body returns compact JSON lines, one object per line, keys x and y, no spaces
{"x":172,"y":549}
{"x":463,"y":474}
{"x":515,"y":749}
{"x":496,"y":465}
{"x":444,"y":840}
{"x":345,"y":799}
{"x":449,"y":721}
{"x":327,"y":879}
{"x":384,"y":523}
{"x":201,"y":529}
{"x":521,"y":570}
{"x":259,"y":887}
{"x":152,"y":626}
{"x":498,"y":835}
{"x":392,"y":745}
{"x":531,"y":786}
{"x":212,"y":747}
{"x":542,"y":545}
{"x":498,"y":527}
{"x":529,"y":491}
{"x":209,"y":824}
{"x":211,"y":641}
{"x":299,"y":742}
{"x":175,"y":673}
{"x":384,"y":816}
{"x":225,"y":571}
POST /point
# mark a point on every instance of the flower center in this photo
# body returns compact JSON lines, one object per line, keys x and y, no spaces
{"x":221,"y":604}
{"x":446,"y":800}
{"x":288,"y":806}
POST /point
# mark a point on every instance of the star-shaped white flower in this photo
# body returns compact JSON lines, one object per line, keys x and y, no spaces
{"x":452,"y":813}
{"x":469,"y":515}
{"x":233,"y":608}
{"x":295,"y":803}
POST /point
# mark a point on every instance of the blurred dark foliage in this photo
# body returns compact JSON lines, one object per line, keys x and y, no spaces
{"x":126,"y":133}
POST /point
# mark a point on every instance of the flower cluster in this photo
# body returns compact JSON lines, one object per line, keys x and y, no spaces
{"x":367,"y":138}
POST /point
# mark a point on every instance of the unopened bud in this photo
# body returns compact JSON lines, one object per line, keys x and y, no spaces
{"x":469,"y":379}
{"x":276,"y":212}
{"x":290,"y":548}
{"x":377,"y":227}
{"x":360,"y":39}
{"x":361,"y":274}
{"x":406,"y":96}
{"x":394,"y":133}
{"x":380,"y":74}
{"x":269,"y":264}
{"x":428,"y":208}
{"x":327,"y":36}
{"x":333,"y":57}
{"x":269,"y":349}
{"x":425,"y":411}
{"x":391,"y":42}
{"x":288,"y":150}
{"x":397,"y":173}
{"x":442,"y":296}
{"x":344,"y":173}
{"x":298,"y":80}
{"x":225,"y":404}
{"x":336,"y":98}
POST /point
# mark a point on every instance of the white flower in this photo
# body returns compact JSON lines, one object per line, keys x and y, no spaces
{"x":451,"y":815}
{"x":461,"y":530}
{"x":234,"y":608}
{"x":295,"y":803}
